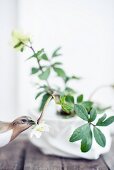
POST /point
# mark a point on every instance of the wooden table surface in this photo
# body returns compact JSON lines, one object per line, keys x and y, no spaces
{"x":22,"y":155}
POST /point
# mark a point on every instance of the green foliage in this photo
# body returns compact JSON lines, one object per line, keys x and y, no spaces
{"x":78,"y":133}
{"x":88,"y":105}
{"x":69,"y":78}
{"x":105,"y":122}
{"x":101,"y":119}
{"x":99,"y":137}
{"x":60,"y":72}
{"x":69,"y":99}
{"x":45,"y":74}
{"x":44,"y":100}
{"x":81,"y":111}
{"x":56,"y":52}
{"x":44,"y":56}
{"x":84,"y":134}
{"x":18,"y":44}
{"x":40,"y":55}
{"x":56,"y":64}
{"x":86,"y":142}
{"x":67,"y":103}
{"x":93,"y":115}
{"x":39,"y":94}
{"x":69,"y":91}
{"x":80,"y":98}
{"x":34,"y":70}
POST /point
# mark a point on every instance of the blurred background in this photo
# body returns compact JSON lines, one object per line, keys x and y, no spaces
{"x":84,"y":29}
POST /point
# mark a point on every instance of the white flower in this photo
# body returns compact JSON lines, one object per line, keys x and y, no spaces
{"x":39,"y":129}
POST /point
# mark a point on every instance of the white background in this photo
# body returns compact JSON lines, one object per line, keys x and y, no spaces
{"x":84,"y":29}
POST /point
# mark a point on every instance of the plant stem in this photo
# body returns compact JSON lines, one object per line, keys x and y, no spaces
{"x":39,"y":65}
{"x":37,"y":59}
{"x":43,"y":111}
{"x":97,"y":89}
{"x":49,"y":99}
{"x":91,"y":124}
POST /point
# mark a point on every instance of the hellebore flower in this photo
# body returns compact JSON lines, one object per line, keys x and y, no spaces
{"x":39,"y":129}
{"x":19,"y":40}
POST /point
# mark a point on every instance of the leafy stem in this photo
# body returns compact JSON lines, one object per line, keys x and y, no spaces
{"x":38,"y":61}
{"x":91,"y":124}
{"x":44,"y":108}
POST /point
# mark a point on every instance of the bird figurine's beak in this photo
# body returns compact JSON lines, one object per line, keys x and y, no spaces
{"x":31,"y":122}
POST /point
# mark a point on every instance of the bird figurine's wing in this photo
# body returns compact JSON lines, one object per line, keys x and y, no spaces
{"x":5,"y":137}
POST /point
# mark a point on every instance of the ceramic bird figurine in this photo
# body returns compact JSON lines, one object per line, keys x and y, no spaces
{"x":10,"y":130}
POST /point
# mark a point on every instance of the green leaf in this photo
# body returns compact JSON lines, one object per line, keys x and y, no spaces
{"x":80,"y":98}
{"x":93,"y":115}
{"x":68,"y":78}
{"x":60,"y":72}
{"x":99,"y":137}
{"x":22,"y":49}
{"x":86,"y":142}
{"x":101,"y":119}
{"x":18,"y":44}
{"x":45,"y":74}
{"x":75,"y":78}
{"x":106,"y":122}
{"x":34,"y":70}
{"x":44,"y":57}
{"x":87,"y":105}
{"x":44,"y":100}
{"x":67,"y":103}
{"x":38,"y":54}
{"x":38,"y":94}
{"x":78,"y":133}
{"x":81,"y":111}
{"x":56,"y":52}
{"x":66,"y":107}
{"x":69,"y":99}
{"x":30,"y":57}
{"x":56,"y":63}
{"x":69,"y":91}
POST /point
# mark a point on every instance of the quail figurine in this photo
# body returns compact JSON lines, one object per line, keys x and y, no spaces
{"x":10,"y":130}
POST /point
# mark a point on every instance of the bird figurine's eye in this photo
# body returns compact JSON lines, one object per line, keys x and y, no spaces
{"x":23,"y":120}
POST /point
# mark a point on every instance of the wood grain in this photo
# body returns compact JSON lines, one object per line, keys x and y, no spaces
{"x":22,"y":155}
{"x":12,"y":156}
{"x":83,"y":164}
{"x":109,"y":157}
{"x":35,"y":160}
